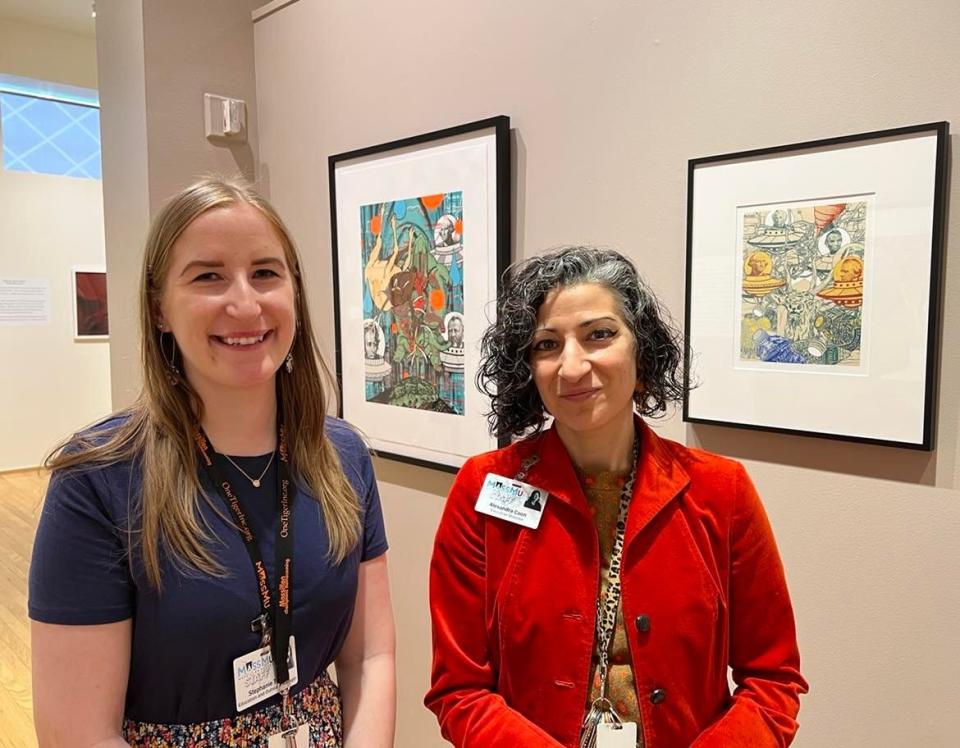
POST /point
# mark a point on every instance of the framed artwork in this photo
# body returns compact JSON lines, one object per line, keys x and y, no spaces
{"x":813,"y":286}
{"x":89,"y":291}
{"x":421,"y":236}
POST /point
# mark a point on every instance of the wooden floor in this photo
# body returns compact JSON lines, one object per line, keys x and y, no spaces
{"x":20,"y":496}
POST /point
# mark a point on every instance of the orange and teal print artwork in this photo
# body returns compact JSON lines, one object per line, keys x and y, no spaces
{"x":413,"y":321}
{"x":802,"y":269}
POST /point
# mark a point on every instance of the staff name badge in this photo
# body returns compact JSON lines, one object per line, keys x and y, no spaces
{"x":612,"y":735}
{"x":295,"y":737}
{"x":253,"y":676}
{"x":512,"y":500}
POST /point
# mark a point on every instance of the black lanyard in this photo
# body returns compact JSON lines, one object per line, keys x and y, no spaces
{"x":279,"y":616}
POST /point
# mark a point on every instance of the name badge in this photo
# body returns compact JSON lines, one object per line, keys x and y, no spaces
{"x":295,"y":737}
{"x":512,"y":500}
{"x":621,"y":735}
{"x":253,"y":677}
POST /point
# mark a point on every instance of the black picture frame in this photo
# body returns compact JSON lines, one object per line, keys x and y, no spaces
{"x":746,"y":357}
{"x":381,"y":180}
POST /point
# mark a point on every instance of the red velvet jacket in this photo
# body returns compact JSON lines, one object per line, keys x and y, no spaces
{"x":514,"y":609}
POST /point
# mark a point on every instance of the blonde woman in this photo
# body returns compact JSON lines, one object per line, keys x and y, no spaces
{"x":204,"y":555}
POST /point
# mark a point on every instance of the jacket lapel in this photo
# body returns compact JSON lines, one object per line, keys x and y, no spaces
{"x":554,"y":471}
{"x":660,"y":478}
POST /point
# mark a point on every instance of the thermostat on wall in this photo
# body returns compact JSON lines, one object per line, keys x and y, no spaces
{"x":225,"y":118}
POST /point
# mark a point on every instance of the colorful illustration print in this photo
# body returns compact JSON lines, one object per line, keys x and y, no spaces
{"x":413,"y":328}
{"x":802,"y":275}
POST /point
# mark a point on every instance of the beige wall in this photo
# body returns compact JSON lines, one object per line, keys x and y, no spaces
{"x":51,"y":384}
{"x":608,"y":100}
{"x":47,"y":54}
{"x":158,"y":58}
{"x":193,"y":48}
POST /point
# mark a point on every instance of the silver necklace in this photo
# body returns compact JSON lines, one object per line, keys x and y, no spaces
{"x":254,"y":481}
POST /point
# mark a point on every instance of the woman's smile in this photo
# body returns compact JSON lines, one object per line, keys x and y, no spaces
{"x":242,"y":341}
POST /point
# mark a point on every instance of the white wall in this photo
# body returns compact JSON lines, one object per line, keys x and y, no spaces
{"x":157,"y":59}
{"x":126,"y":188}
{"x":51,"y":385}
{"x":608,"y":100}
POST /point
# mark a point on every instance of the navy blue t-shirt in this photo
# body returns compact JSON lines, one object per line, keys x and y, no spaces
{"x":186,"y":637}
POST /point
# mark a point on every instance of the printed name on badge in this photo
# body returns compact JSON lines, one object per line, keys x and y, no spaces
{"x":512,"y":500}
{"x":253,"y":676}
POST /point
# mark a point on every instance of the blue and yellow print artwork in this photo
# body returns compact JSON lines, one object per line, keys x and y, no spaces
{"x":802,"y":282}
{"x":413,"y":326}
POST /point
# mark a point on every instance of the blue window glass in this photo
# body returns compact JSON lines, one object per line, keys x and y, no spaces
{"x":44,"y":136}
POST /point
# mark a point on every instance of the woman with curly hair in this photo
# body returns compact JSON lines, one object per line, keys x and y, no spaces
{"x":608,"y":611}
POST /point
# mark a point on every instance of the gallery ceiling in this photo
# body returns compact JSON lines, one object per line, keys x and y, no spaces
{"x":72,"y":16}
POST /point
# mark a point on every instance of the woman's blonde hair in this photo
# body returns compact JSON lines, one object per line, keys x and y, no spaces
{"x":157,"y":430}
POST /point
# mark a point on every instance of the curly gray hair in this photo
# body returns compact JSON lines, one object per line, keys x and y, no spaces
{"x":504,"y":372}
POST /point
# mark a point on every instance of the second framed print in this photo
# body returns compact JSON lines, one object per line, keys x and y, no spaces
{"x":421,"y":236}
{"x":813,"y":286}
{"x":89,"y":296}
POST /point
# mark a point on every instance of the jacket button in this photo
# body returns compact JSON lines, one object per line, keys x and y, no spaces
{"x":658,"y":696}
{"x":643,"y":624}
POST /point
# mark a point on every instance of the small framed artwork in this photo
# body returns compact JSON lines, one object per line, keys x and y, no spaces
{"x":89,"y":290}
{"x":421,"y":236}
{"x":813,"y":286}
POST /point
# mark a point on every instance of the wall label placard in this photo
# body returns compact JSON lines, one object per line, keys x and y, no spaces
{"x":24,"y":301}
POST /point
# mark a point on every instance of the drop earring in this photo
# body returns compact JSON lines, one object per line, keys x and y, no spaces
{"x":173,"y":373}
{"x":289,"y":363}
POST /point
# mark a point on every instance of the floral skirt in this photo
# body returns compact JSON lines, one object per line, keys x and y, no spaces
{"x":318,"y":704}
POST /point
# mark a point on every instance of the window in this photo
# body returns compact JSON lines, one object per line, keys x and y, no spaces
{"x":49,"y":136}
